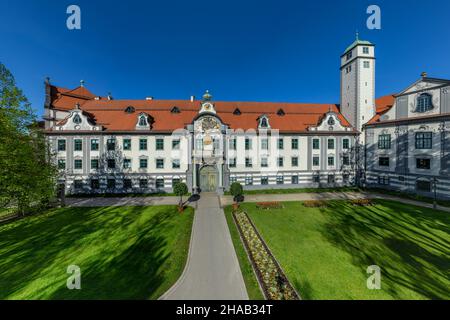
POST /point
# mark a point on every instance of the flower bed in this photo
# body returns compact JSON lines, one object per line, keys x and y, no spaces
{"x":362,"y":202}
{"x":315,"y":203}
{"x":269,"y":205}
{"x":271,"y":277}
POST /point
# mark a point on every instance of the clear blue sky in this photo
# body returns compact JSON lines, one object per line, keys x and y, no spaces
{"x":240,"y":50}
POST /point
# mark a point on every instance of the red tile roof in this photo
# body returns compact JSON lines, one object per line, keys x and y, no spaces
{"x":112,"y":116}
{"x":383,"y":105}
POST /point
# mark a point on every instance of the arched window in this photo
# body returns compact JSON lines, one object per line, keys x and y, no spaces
{"x":424,"y":103}
{"x":143,"y":120}
{"x":264,"y":122}
{"x":77,"y":119}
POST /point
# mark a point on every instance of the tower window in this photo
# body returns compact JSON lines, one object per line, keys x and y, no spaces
{"x":366,"y":64}
{"x":349,"y":55}
{"x":424,"y":103}
{"x":366,"y":50}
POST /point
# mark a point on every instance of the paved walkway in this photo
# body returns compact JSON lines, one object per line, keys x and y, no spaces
{"x":227,"y":200}
{"x":212,"y":271}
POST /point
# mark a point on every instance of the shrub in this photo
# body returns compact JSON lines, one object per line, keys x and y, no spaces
{"x":362,"y":202}
{"x":269,"y":205}
{"x":236,"y":190}
{"x":315,"y":203}
{"x":180,"y":189}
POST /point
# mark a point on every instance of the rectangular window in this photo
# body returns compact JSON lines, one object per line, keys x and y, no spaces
{"x":142,"y":144}
{"x":424,"y":140}
{"x":265,"y":144}
{"x":366,"y":64}
{"x":126,"y":144}
{"x":94,"y":144}
{"x":264,"y":180}
{"x":111,"y":144}
{"x":111,"y":163}
{"x":95,"y":184}
{"x":233,"y":179}
{"x":331,"y":161}
{"x":159,"y":163}
{"x":232,"y":144}
{"x":366,"y":50}
{"x":248,"y":144}
{"x":78,"y":184}
{"x":383,"y":161}
{"x":248,"y":162}
{"x":127,"y":184}
{"x":294,"y":161}
{"x":77,"y":145}
{"x":61,"y":164}
{"x":280,"y":180}
{"x":159,"y":184}
{"x":127,"y":163}
{"x":143,"y":163}
{"x":94,"y":164}
{"x":294,"y":179}
{"x":316,"y":178}
{"x":423,"y":185}
{"x":264,"y":162}
{"x":349,"y":55}
{"x":280,"y":161}
{"x":345,"y":144}
{"x":294,"y":144}
{"x":316,"y":144}
{"x":316,"y":161}
{"x":423,"y":163}
{"x":384,"y":141}
{"x":330,"y":143}
{"x":232,"y":163}
{"x":345,"y":160}
{"x":383,"y":180}
{"x":143,"y":183}
{"x":248,"y":181}
{"x":61,"y":145}
{"x":78,"y":164}
{"x":176,"y":144}
{"x":111,"y":183}
{"x":280,"y":144}
{"x":176,"y":164}
{"x":345,"y":178}
{"x":331,"y":178}
{"x":159,"y":144}
{"x":175,"y":181}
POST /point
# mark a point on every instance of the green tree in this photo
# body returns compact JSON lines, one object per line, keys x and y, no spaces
{"x":180,"y":189}
{"x":236,"y":191}
{"x":27,"y":177}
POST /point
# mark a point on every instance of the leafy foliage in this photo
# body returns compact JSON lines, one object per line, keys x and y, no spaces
{"x":236,"y":189}
{"x":27,"y":178}
{"x":180,"y":189}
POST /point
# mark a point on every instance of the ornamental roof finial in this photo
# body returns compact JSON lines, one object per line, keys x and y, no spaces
{"x":357,"y":35}
{"x":81,"y":83}
{"x":207,"y":96}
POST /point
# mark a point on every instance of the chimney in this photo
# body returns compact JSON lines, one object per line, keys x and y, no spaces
{"x":110,"y":96}
{"x":97,"y":98}
{"x":192,"y":98}
{"x":424,"y":74}
{"x":149,"y":98}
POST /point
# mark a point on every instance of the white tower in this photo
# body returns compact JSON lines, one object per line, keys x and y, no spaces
{"x":358,"y":83}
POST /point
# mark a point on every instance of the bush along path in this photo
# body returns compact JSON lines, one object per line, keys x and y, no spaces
{"x":271,"y":277}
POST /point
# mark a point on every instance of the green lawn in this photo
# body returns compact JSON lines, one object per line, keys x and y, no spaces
{"x":325,"y":252}
{"x":123,"y":252}
{"x":299,"y":190}
{"x":251,"y":283}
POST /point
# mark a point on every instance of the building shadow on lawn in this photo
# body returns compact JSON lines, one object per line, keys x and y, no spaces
{"x":119,"y":257}
{"x":411,"y":245}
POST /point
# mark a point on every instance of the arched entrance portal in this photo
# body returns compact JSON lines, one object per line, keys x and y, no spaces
{"x":208,"y":178}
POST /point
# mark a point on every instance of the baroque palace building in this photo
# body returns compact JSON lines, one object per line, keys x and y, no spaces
{"x":103,"y":145}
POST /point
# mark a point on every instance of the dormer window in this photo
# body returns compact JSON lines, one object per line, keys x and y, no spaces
{"x":143,"y":122}
{"x":237,"y":112}
{"x":424,"y":103}
{"x":264,"y":122}
{"x":130,"y":109}
{"x":280,"y":112}
{"x":77,"y":119}
{"x":175,"y":109}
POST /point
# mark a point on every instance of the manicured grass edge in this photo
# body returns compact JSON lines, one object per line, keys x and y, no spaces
{"x":184,"y":241}
{"x":298,"y":190}
{"x":251,"y":283}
